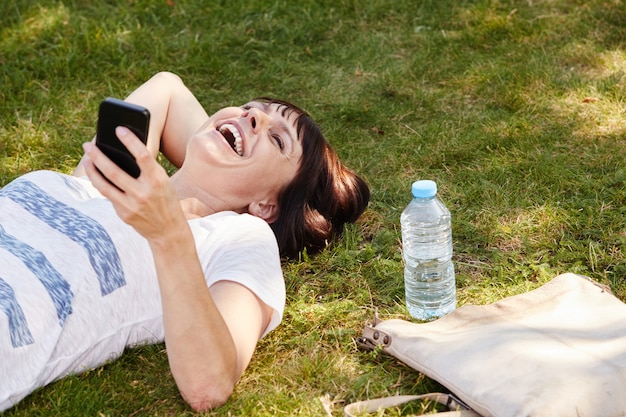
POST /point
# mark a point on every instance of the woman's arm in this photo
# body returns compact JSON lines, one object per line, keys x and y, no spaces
{"x":175,"y":114}
{"x":210,"y":334}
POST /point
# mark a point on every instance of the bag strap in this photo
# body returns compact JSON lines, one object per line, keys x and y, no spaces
{"x":370,"y":406}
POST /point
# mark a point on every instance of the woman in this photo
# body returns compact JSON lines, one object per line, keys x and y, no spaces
{"x":190,"y":259}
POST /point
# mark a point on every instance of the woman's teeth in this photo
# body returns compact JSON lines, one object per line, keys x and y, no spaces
{"x":231,"y":134}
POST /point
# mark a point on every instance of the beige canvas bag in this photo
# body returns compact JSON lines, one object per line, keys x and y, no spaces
{"x":557,"y":351}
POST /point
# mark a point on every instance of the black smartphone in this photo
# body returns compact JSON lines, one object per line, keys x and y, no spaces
{"x":112,"y":113}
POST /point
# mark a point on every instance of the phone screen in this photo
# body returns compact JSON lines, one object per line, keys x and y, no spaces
{"x":112,"y":113}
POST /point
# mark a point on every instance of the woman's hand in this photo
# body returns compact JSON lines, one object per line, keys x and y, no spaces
{"x":148,"y":203}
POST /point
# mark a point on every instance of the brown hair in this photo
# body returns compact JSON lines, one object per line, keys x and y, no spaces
{"x":322,"y":197}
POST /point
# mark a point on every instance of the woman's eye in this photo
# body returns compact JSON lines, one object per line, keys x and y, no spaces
{"x":246,"y":107}
{"x":278,"y":141}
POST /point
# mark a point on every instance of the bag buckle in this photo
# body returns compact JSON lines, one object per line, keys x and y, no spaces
{"x":373,"y":338}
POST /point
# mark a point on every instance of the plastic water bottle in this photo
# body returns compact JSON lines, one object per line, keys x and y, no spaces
{"x":427,"y":252}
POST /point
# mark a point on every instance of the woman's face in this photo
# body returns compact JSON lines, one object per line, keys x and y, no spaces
{"x":245,"y":154}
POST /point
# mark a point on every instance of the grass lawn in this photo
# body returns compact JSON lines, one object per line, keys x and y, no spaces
{"x":516,"y":108}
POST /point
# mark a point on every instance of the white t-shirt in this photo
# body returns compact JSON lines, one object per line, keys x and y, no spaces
{"x":78,"y":285}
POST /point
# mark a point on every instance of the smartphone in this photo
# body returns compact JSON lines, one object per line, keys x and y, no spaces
{"x":112,"y":113}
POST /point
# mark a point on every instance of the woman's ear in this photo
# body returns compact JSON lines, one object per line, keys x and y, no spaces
{"x":267,"y":211}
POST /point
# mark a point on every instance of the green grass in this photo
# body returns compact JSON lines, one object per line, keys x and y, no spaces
{"x":516,"y":108}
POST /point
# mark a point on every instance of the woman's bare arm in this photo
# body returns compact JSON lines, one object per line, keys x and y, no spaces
{"x":210,"y":334}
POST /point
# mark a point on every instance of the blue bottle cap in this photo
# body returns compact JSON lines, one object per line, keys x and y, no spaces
{"x":424,"y":189}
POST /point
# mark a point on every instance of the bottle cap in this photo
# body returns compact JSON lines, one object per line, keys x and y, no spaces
{"x":424,"y":189}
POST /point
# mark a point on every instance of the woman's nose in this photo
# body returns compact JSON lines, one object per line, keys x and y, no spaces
{"x":255,"y":118}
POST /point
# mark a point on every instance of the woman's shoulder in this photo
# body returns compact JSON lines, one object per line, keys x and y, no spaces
{"x":234,"y":221}
{"x":46,"y":180}
{"x":51,"y":191}
{"x":54,"y":183}
{"x":48,"y":176}
{"x":230,"y":227}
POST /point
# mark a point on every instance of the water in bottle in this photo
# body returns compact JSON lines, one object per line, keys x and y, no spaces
{"x":427,"y":253}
